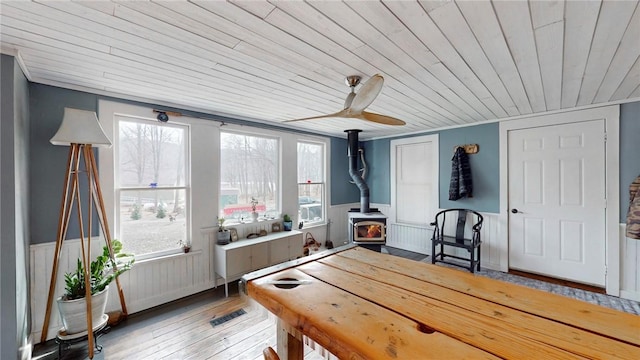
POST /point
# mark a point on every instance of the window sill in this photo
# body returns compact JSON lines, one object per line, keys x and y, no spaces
{"x":313,"y":225}
{"x":168,"y":256}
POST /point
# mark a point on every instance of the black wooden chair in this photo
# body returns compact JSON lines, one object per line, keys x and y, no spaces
{"x":449,"y":230}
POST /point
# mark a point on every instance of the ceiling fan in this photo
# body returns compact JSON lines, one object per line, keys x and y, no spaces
{"x":355,"y":104}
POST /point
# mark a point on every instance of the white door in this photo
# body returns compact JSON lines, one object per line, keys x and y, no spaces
{"x":414,"y":192}
{"x":557,"y":201}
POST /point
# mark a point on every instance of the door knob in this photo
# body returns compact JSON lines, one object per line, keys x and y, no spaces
{"x":515,"y":211}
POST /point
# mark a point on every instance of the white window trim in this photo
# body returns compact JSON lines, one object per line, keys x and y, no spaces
{"x":239,"y":130}
{"x":326,"y":198}
{"x":107,"y":113}
{"x":205,"y":151}
{"x":118,"y":189}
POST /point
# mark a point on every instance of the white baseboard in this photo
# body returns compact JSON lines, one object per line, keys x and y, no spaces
{"x":630,"y":295}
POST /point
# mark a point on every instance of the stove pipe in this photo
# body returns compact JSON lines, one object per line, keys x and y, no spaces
{"x":352,"y":137}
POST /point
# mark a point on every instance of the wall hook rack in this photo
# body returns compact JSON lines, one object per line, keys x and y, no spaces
{"x":468,"y":148}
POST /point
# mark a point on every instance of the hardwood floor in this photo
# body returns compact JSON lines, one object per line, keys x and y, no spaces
{"x":181,"y":330}
{"x":420,"y":257}
{"x":562,"y":282}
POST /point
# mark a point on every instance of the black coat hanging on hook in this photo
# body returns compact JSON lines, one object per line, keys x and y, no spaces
{"x":461,"y":184}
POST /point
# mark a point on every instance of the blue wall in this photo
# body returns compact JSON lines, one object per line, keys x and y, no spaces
{"x":629,"y":152}
{"x":48,"y":162}
{"x":14,"y":210}
{"x":484,"y":167}
{"x":342,"y":191}
{"x":376,"y":153}
{"x":47,"y":167}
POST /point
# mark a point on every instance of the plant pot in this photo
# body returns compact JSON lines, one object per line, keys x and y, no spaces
{"x":254,"y":217}
{"x":287,"y":225}
{"x":224,"y":237}
{"x":74,"y":312}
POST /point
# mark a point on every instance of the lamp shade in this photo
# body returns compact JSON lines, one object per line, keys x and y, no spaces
{"x":80,"y":127}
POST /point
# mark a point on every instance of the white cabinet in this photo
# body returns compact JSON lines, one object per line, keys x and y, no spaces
{"x":285,"y":249}
{"x":245,"y":259}
{"x":238,"y":258}
{"x":279,"y":251}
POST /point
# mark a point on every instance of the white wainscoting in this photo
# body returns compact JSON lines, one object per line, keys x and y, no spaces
{"x":158,"y":281}
{"x":418,"y":239}
{"x":629,"y":266}
{"x":149,"y":283}
{"x":409,"y":237}
{"x":339,"y":222}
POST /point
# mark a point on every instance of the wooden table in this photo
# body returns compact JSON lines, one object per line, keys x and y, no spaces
{"x":359,"y":304}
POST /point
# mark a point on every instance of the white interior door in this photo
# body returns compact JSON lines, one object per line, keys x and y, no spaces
{"x":556,"y":177}
{"x":414,"y":192}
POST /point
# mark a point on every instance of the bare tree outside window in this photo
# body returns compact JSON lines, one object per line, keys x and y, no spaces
{"x":249,"y":168}
{"x":152,"y":186}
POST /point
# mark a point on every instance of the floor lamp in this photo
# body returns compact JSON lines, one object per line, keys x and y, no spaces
{"x":80,"y":130}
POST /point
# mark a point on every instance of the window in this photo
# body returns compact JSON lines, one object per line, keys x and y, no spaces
{"x":311,"y":182}
{"x":414,"y":179}
{"x":249,"y":167}
{"x":152,"y":192}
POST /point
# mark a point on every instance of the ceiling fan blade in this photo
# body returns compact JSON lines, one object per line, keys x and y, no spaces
{"x":381,"y":119}
{"x":367,"y":94}
{"x":340,"y":114}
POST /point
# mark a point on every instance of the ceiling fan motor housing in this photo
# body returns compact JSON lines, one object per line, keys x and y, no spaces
{"x":352,"y":81}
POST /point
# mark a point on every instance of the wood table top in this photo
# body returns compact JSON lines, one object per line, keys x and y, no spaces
{"x":359,"y":304}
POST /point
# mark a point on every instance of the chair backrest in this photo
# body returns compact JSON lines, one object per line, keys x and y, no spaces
{"x":443,"y":227}
{"x":270,"y":354}
{"x":462,"y":221}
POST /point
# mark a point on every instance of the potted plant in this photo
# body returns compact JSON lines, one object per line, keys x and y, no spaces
{"x":72,"y":305}
{"x":287,"y":223}
{"x":224,"y":236}
{"x":254,"y":214}
{"x":186,"y":247}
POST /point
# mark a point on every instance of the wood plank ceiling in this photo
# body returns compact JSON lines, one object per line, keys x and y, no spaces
{"x":445,"y":63}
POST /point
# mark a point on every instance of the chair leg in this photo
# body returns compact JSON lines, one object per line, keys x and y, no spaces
{"x":479,"y":257}
{"x":472,"y":261}
{"x":433,"y":251}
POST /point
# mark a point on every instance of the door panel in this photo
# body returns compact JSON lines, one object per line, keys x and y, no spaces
{"x":259,"y":256}
{"x":557,"y":185}
{"x":241,"y":263}
{"x":279,"y":251}
{"x":413,"y":181}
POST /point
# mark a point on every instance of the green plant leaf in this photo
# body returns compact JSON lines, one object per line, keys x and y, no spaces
{"x":102,"y":272}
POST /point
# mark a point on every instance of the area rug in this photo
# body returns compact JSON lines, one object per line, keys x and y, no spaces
{"x":630,"y":306}
{"x":223,"y":319}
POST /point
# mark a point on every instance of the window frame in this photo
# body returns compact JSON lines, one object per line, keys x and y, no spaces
{"x":117,"y":188}
{"x":325,"y":188}
{"x":258,"y":133}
